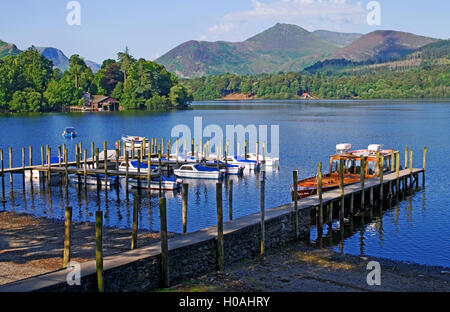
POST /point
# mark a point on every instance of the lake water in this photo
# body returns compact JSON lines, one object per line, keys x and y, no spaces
{"x":416,"y":230}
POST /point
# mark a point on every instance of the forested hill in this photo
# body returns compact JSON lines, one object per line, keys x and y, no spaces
{"x":424,"y":73}
{"x":30,"y":83}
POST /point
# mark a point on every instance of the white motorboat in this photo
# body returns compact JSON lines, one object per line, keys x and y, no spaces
{"x":268,"y":161}
{"x":198,"y":172}
{"x":138,"y":141}
{"x":230,"y":169}
{"x":167,"y":184}
{"x":55,"y":177}
{"x":133,"y":167}
{"x":247,"y":163}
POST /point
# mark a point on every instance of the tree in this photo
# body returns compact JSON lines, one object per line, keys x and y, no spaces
{"x":126,"y":61}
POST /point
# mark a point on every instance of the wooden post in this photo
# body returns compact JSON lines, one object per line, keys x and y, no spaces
{"x":134,"y":228}
{"x":424,"y":165}
{"x":406,"y":157}
{"x":149,"y":175}
{"x":160,"y":173}
{"x":362,"y":173}
{"x":164,"y":244}
{"x":132,"y":149}
{"x":93,"y":153}
{"x":352,"y":202}
{"x":192,"y":147}
{"x":3,"y":176}
{"x":263,"y":234}
{"x":105,"y":163}
{"x":85,"y":169}
{"x":23,"y":166}
{"x":295,"y":197}
{"x":230,"y":200}
{"x":126,"y":172}
{"x":117,"y":159}
{"x":377,"y":164}
{"x":185,"y":206}
{"x":220,"y":251}
{"x":66,"y":177}
{"x":10,"y":165}
{"x":341,"y":188}
{"x":42,"y":156}
{"x":67,"y":225}
{"x":319,"y":193}
{"x":330,"y":212}
{"x":49,"y":164}
{"x":139,"y":168}
{"x":30,"y":149}
{"x":245,"y":149}
{"x":410,"y":170}
{"x":97,"y":165}
{"x":392,"y":160}
{"x":257,"y":151}
{"x":381,"y":178}
{"x":99,"y":249}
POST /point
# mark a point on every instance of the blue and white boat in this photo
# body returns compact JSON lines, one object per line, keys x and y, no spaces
{"x":133,"y":166}
{"x":198,"y":172}
{"x":247,"y":163}
{"x":231,"y":168}
{"x":167,"y":183}
{"x":137,"y":141}
{"x":69,"y":133}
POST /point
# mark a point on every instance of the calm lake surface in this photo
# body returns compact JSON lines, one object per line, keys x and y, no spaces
{"x":415,"y":230}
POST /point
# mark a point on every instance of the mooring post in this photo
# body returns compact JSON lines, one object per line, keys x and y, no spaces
{"x":132,"y":149}
{"x":105,"y":161}
{"x":381,"y":178}
{"x":424,"y":165}
{"x":134,"y":227}
{"x":139,"y":169}
{"x":362,"y":172}
{"x":352,"y":204}
{"x":263,"y":230}
{"x":93,"y":154}
{"x":192,"y":147}
{"x":99,"y":249}
{"x":10,"y":166}
{"x":117,"y":159}
{"x":66,"y":171}
{"x":160,"y":173}
{"x":67,"y":225}
{"x":49,"y":164}
{"x":392,"y":160}
{"x":3,"y":176}
{"x":164,"y":245}
{"x":319,"y":193}
{"x":330,"y":212}
{"x":341,"y":188}
{"x":97,"y":166}
{"x":42,"y":156}
{"x":411,"y":170}
{"x":295,"y":198}
{"x":220,"y":251}
{"x":377,"y":164}
{"x":230,"y":200}
{"x":397,"y":174}
{"x":406,"y":157}
{"x":245,"y":149}
{"x":85,"y":169}
{"x":185,"y":206}
{"x":149,"y":174}
{"x":126,"y":173}
{"x":23,"y":166}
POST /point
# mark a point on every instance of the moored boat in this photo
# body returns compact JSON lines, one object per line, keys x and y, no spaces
{"x":138,"y":141}
{"x":268,"y":161}
{"x":198,"y":172}
{"x":230,"y":168}
{"x":246,"y":163}
{"x":352,"y":167}
{"x":135,"y":166}
{"x":167,"y":183}
{"x":94,"y":179}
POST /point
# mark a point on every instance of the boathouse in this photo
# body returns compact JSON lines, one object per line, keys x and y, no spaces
{"x":102,"y":103}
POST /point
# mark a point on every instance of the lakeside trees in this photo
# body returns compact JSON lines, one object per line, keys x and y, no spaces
{"x":426,"y":81}
{"x":28,"y":83}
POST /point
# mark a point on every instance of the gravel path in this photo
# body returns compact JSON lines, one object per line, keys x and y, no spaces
{"x":30,"y":246}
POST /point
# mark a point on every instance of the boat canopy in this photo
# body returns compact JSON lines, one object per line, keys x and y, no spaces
{"x":202,"y":168}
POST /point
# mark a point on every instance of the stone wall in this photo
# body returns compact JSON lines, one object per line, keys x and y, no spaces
{"x":190,"y":255}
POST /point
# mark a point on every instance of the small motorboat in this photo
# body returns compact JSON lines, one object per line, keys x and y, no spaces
{"x":167,"y":183}
{"x":69,"y":133}
{"x":93,"y":179}
{"x":198,"y":172}
{"x":138,"y":141}
{"x":352,"y":168}
{"x":133,"y":166}
{"x":230,"y":169}
{"x":247,"y":163}
{"x":268,"y":161}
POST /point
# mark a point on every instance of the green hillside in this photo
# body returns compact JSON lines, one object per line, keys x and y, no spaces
{"x":8,"y":49}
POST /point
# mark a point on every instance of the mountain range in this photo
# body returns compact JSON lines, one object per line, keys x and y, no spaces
{"x":59,"y":59}
{"x":284,"y":48}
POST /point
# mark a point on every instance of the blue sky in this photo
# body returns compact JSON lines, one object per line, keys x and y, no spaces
{"x":152,"y":27}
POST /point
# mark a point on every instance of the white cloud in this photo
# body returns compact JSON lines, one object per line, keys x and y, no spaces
{"x":337,"y":15}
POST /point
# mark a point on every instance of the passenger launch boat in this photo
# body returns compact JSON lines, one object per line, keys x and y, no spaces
{"x":352,"y":167}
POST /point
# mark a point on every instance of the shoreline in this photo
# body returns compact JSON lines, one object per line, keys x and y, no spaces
{"x":296,"y":267}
